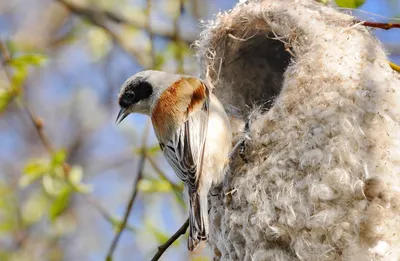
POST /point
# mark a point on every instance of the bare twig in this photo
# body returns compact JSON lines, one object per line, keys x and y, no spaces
{"x":384,"y":26}
{"x":38,"y":124}
{"x":105,"y":214}
{"x":99,"y":19}
{"x":161,"y":173}
{"x":106,"y":15}
{"x":176,"y":189}
{"x":171,"y":240}
{"x":102,"y":19}
{"x":394,"y":67}
{"x":133,"y":196}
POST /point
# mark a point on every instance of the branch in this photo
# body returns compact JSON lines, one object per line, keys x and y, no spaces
{"x":132,"y":21}
{"x":99,"y":19}
{"x":102,"y":19}
{"x":161,"y":173}
{"x":106,"y":215}
{"x":166,"y":245}
{"x":384,"y":26}
{"x":38,"y":124}
{"x":133,"y":196}
{"x":394,"y":67}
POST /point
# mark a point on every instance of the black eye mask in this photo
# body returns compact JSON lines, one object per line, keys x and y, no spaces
{"x":135,"y":92}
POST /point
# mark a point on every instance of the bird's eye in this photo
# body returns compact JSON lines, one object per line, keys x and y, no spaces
{"x":135,"y":92}
{"x":127,"y":99}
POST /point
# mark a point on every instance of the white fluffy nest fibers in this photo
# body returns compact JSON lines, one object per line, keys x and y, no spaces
{"x":322,"y":177}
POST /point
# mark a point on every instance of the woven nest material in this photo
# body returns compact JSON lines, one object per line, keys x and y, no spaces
{"x":322,"y":177}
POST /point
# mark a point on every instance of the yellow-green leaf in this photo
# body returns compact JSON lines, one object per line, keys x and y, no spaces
{"x":34,"y":207}
{"x":154,"y":185}
{"x":159,"y":61}
{"x":53,"y":185}
{"x":160,"y":236}
{"x":18,"y":78}
{"x":60,"y":203}
{"x":5,"y":99}
{"x":149,"y":150}
{"x":28,"y":59}
{"x":36,"y":167}
{"x":32,"y":171}
{"x":100,"y":43}
{"x":350,"y":3}
{"x":58,"y":158}
{"x":75,"y":179}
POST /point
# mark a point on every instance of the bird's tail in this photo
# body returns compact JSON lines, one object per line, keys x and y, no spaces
{"x":198,"y":219}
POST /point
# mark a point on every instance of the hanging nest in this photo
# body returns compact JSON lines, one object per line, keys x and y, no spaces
{"x":321,"y":181}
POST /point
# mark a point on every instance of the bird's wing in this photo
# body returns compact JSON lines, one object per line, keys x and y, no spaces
{"x":184,"y":150}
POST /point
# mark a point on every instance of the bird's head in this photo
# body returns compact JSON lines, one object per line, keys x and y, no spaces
{"x":140,"y":91}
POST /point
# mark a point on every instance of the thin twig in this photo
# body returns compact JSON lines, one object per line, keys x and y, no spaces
{"x":102,"y":19}
{"x":104,"y":213}
{"x":92,"y":14}
{"x":394,"y":66}
{"x":176,"y":189}
{"x":161,"y":249}
{"x":38,"y":124}
{"x":384,"y":26}
{"x":128,"y":209}
{"x":99,"y":19}
{"x":161,"y":173}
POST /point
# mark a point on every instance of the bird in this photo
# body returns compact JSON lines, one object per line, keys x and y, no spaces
{"x":193,"y":131}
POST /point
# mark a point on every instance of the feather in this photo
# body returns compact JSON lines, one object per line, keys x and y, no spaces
{"x":183,"y":144}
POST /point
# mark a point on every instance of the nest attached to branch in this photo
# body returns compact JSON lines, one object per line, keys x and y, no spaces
{"x":321,"y":181}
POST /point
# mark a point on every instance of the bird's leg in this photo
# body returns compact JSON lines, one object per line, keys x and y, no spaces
{"x":241,"y":145}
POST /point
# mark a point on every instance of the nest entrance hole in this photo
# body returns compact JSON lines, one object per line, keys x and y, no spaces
{"x":252,"y":71}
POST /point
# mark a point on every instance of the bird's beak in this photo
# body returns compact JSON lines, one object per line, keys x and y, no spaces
{"x":122,"y":115}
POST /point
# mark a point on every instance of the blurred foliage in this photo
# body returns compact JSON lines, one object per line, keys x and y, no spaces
{"x":39,"y":203}
{"x":350,"y":3}
{"x":19,"y":65}
{"x":65,"y":61}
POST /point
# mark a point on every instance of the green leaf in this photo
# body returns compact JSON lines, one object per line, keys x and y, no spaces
{"x":7,"y":223}
{"x":159,"y":61}
{"x":116,"y":223}
{"x":60,"y":203}
{"x":34,"y":207}
{"x":58,"y":158}
{"x":32,"y":171}
{"x":350,"y":3}
{"x":28,"y":59}
{"x":160,"y":236}
{"x":100,"y":43}
{"x":36,"y":167}
{"x":53,"y":185}
{"x":154,"y":185}
{"x":5,"y":98}
{"x":75,"y":180}
{"x":150,"y":150}
{"x":18,"y":78}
